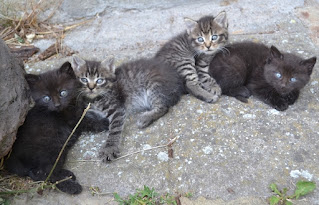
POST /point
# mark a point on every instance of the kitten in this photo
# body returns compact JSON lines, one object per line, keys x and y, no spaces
{"x":46,"y":128}
{"x":190,"y":52}
{"x":145,"y":87}
{"x":254,"y":69}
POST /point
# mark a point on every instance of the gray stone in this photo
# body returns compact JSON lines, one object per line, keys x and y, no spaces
{"x":14,"y":97}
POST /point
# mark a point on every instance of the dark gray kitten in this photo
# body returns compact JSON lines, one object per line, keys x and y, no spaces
{"x":254,"y":69}
{"x":189,"y":53}
{"x":145,"y":87}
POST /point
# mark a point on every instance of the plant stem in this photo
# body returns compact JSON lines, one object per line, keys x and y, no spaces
{"x":136,"y":152}
{"x":66,"y":142}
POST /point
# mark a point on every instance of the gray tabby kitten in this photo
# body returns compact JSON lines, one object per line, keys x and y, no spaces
{"x":191,"y":52}
{"x":145,"y":87}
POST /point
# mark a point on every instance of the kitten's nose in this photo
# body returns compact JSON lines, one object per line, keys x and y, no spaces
{"x":57,"y":105}
{"x":91,"y":86}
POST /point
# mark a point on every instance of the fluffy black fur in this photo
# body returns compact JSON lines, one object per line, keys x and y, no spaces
{"x":46,"y":128}
{"x":249,"y":68}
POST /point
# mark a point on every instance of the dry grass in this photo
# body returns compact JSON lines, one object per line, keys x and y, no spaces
{"x":13,"y":183}
{"x":20,"y":28}
{"x":24,"y":26}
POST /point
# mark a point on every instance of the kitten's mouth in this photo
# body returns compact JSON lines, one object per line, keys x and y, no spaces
{"x":283,"y":91}
{"x":91,"y":94}
{"x":210,"y":51}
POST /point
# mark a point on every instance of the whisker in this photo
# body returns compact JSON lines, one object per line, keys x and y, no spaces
{"x":79,"y":95}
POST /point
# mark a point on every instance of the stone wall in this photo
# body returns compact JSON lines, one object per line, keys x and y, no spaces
{"x":14,"y":98}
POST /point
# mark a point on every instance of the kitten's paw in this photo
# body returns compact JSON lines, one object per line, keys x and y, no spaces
{"x":216,"y":90}
{"x":281,"y":105}
{"x":109,"y":153}
{"x":211,"y":98}
{"x":101,"y":125}
{"x":207,"y":85}
{"x":70,"y":187}
{"x":95,"y":114}
{"x":213,"y":95}
{"x":66,"y":173}
{"x":292,"y":97}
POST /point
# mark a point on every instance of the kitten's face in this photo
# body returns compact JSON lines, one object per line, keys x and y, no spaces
{"x":287,"y":72}
{"x":54,"y":89}
{"x":208,"y":34}
{"x":96,"y":78}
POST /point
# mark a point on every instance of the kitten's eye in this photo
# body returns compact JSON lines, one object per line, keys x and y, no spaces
{"x":83,"y":80}
{"x":278,"y":75}
{"x":63,"y":93}
{"x":46,"y":99}
{"x":99,"y":81}
{"x":214,"y":37}
{"x":293,"y":80}
{"x":200,"y":39}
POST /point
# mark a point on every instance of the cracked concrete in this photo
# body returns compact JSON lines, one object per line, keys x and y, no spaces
{"x":226,"y":153}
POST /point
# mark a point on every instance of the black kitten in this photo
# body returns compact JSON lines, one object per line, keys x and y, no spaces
{"x":46,"y":128}
{"x":254,"y":69}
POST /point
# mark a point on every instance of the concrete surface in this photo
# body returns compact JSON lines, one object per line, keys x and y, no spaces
{"x":226,"y":153}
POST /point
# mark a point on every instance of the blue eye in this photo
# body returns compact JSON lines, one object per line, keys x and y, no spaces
{"x":293,"y":80}
{"x":99,"y":81}
{"x":46,"y":98}
{"x":63,"y":93}
{"x":214,"y":37}
{"x":83,"y":80}
{"x":200,"y":39}
{"x":278,"y":75}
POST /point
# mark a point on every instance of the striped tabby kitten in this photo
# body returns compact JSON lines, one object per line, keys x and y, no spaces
{"x":145,"y":87}
{"x":190,"y":54}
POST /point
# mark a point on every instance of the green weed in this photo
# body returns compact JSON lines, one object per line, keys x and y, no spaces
{"x":281,"y":197}
{"x":146,"y":196}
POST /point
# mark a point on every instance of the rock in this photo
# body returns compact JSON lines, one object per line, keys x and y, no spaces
{"x":14,"y":97}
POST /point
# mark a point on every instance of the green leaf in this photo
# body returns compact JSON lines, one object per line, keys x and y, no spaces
{"x":274,"y":200}
{"x":288,"y":202}
{"x":118,"y":198}
{"x":19,"y":39}
{"x":273,"y":187}
{"x":303,"y":188}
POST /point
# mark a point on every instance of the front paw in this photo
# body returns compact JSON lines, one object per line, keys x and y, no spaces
{"x":280,"y":105}
{"x":207,"y":83}
{"x":70,"y":187}
{"x":95,"y":114}
{"x":292,"y":97}
{"x":109,"y":152}
{"x":214,"y":94}
{"x":216,"y":90}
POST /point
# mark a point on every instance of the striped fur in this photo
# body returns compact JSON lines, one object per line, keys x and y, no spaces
{"x":145,"y":87}
{"x":190,"y":53}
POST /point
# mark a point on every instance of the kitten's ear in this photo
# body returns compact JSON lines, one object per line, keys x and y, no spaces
{"x":32,"y":79}
{"x":309,"y":63}
{"x":275,"y":53}
{"x":108,"y":63}
{"x":67,"y":68}
{"x":190,"y":24}
{"x":77,"y":63}
{"x":221,"y":19}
